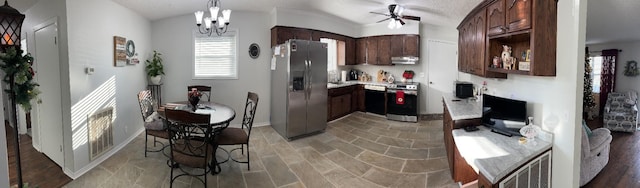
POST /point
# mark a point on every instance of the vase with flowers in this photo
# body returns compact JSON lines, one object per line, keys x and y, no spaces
{"x":194,"y":98}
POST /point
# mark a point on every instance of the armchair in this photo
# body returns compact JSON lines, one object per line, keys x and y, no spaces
{"x":595,"y":153}
{"x":621,"y":112}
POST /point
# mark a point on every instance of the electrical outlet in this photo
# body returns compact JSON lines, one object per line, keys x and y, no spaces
{"x":421,"y":75}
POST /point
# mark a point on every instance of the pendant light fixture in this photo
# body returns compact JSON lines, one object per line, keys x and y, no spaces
{"x":217,"y":22}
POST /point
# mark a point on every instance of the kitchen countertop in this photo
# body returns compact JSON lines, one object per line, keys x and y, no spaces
{"x":495,"y":155}
{"x":462,"y":108}
{"x":355,"y":82}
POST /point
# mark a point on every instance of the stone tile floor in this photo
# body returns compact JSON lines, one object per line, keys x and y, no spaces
{"x":359,"y":150}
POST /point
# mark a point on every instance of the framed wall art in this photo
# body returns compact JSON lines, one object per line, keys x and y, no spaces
{"x":119,"y":51}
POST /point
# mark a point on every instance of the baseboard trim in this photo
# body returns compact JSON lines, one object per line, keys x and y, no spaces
{"x":94,"y":163}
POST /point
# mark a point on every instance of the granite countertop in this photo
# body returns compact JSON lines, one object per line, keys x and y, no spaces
{"x":462,"y":108}
{"x":495,"y":155}
{"x":355,"y":82}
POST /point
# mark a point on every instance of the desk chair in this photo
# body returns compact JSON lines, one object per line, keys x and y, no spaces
{"x":240,"y":136}
{"x":204,"y":90}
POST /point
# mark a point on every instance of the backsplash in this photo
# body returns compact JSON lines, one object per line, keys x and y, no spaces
{"x":395,"y":70}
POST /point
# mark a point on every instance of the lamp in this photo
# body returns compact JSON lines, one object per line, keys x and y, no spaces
{"x":218,"y":20}
{"x":10,"y":30}
{"x":395,"y":23}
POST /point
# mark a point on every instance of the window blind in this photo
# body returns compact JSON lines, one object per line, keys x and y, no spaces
{"x":215,"y":56}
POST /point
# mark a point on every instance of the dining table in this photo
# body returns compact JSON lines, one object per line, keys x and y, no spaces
{"x":221,"y":116}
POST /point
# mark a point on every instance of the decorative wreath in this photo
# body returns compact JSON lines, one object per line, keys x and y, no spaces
{"x":631,"y":69}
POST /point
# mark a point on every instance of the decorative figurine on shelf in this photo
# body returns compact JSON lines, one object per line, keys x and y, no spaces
{"x":497,"y":62}
{"x":507,"y":60}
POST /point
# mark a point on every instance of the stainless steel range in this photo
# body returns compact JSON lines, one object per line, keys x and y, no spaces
{"x":402,"y":101}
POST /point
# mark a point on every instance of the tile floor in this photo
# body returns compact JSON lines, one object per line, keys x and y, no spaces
{"x":359,"y":150}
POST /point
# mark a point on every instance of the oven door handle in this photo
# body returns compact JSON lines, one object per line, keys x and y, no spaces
{"x":405,"y":92}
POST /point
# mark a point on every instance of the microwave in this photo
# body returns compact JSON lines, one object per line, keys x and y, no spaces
{"x":463,"y":89}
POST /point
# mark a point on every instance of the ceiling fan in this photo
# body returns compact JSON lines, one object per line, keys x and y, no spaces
{"x":396,"y":16}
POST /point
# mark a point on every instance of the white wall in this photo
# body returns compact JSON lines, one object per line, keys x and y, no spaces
{"x":41,"y":12}
{"x":92,"y":25}
{"x":173,"y":37}
{"x":555,"y":102}
{"x":630,"y":51}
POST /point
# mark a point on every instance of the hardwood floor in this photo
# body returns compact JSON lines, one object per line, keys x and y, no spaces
{"x":37,"y":169}
{"x":623,"y":169}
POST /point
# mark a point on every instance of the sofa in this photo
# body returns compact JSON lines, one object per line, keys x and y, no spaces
{"x":595,"y":152}
{"x":621,"y":112}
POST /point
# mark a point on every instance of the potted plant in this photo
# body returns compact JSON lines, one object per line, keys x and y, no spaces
{"x":154,"y":68}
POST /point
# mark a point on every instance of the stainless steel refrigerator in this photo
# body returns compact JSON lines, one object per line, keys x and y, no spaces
{"x":299,"y":88}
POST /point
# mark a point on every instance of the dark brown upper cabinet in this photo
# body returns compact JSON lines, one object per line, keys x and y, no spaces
{"x":511,"y":23}
{"x":372,"y":50}
{"x":280,"y":34}
{"x":496,"y":18}
{"x":505,"y":16}
{"x":519,"y":14}
{"x":361,"y":51}
{"x":411,"y":45}
{"x":384,"y":50}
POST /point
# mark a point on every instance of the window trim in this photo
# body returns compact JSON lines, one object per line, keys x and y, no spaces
{"x":193,"y":56}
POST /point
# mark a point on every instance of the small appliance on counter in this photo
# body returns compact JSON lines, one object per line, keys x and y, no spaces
{"x":353,"y":75}
{"x":463,"y":89}
{"x":407,"y":76}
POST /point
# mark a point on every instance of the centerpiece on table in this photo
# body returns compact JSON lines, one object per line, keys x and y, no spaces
{"x":194,"y":98}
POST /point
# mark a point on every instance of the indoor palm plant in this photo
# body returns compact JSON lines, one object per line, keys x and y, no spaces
{"x":154,"y":68}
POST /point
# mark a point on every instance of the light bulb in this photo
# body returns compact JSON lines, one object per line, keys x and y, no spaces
{"x":214,"y":12}
{"x":199,"y":15}
{"x":398,"y":24}
{"x":227,"y":15}
{"x":221,"y":22}
{"x":207,"y":22}
{"x":392,"y":24}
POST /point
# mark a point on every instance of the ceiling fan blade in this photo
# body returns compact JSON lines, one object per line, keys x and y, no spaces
{"x":416,"y":18}
{"x":379,"y":13}
{"x":401,"y":22}
{"x":383,"y":20}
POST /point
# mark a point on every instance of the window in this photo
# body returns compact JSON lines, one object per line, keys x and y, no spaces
{"x":332,"y":55}
{"x":596,"y":66}
{"x":215,"y":56}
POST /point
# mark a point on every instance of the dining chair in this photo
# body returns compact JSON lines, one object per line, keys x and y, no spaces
{"x":189,"y":141}
{"x":153,"y":125}
{"x":240,"y":136}
{"x":204,"y":90}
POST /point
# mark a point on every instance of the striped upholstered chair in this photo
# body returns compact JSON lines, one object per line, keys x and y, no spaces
{"x":621,"y":112}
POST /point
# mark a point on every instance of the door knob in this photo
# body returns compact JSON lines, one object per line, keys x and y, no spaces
{"x":430,"y":82}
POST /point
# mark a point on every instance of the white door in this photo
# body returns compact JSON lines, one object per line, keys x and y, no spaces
{"x":442,"y":67}
{"x":49,"y":119}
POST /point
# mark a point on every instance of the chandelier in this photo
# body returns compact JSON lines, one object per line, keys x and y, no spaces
{"x":218,"y":22}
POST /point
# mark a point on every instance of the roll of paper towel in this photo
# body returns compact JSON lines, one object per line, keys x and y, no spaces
{"x":343,"y":76}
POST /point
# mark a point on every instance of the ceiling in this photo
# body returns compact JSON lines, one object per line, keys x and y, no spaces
{"x":607,"y":21}
{"x":437,"y":12}
{"x":612,"y":21}
{"x":21,"y":5}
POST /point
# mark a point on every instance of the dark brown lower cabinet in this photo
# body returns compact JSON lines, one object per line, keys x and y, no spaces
{"x":461,"y":171}
{"x":344,"y":100}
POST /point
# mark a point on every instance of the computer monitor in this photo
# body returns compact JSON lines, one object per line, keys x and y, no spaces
{"x":505,"y":116}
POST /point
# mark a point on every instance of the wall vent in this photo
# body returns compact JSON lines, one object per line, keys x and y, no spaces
{"x":100,"y":132}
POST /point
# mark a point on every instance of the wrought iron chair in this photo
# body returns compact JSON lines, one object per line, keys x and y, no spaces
{"x":153,"y":125}
{"x":204,"y":90}
{"x":240,"y":136}
{"x":190,"y":143}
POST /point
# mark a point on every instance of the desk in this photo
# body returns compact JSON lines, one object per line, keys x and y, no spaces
{"x":221,"y":116}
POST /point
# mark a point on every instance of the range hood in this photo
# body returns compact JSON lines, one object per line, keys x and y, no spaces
{"x":407,"y":60}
